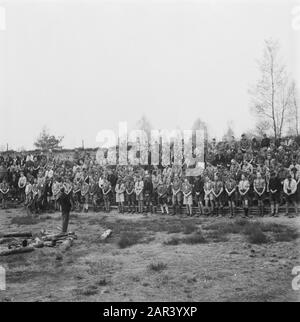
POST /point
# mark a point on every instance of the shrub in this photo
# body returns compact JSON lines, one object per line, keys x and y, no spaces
{"x":217,"y":236}
{"x":286,"y":236}
{"x":25,"y":220}
{"x":157,"y":267}
{"x":128,"y":239}
{"x":189,"y":228}
{"x":256,"y":236}
{"x":172,"y":241}
{"x":196,"y":238}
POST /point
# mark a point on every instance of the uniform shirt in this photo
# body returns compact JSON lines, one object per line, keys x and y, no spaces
{"x":259,"y":184}
{"x":244,"y":185}
{"x":218,"y":185}
{"x":139,"y":186}
{"x":148,"y":186}
{"x":230,"y":185}
{"x":275,"y":184}
{"x":186,"y":188}
{"x":199,"y":187}
{"x":129,"y":185}
{"x":176,"y":185}
{"x":120,"y":188}
{"x":22,"y":182}
{"x":289,"y":186}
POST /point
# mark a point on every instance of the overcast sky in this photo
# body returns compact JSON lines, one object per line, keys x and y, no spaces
{"x":80,"y":66}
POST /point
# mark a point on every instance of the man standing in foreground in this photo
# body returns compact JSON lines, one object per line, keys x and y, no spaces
{"x":65,"y":201}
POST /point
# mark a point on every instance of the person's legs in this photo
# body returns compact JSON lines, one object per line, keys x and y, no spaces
{"x":287,"y":205}
{"x":146,"y":204}
{"x":295,"y":205}
{"x":206,"y":202}
{"x":262,"y":205}
{"x":276,"y":209}
{"x":86,"y":203}
{"x":132,"y":203}
{"x":167,"y":208}
{"x":200,"y":208}
{"x":258,"y":204}
{"x":233,"y":208}
{"x":174,"y":201}
{"x":212,"y":204}
{"x":65,"y":221}
{"x":216,"y":207}
{"x":245,"y":206}
{"x":127,"y":205}
{"x":179,"y":202}
{"x":108,"y":205}
{"x":272,"y":204}
{"x":142,"y":206}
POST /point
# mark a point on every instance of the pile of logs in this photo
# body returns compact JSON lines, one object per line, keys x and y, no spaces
{"x":25,"y":242}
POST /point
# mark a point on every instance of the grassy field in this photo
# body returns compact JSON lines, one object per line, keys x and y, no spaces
{"x":154,"y":257}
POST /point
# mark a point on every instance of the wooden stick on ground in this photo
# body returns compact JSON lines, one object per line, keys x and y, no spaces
{"x":25,"y":235}
{"x":17,"y":251}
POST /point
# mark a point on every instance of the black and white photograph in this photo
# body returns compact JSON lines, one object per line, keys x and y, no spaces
{"x":149,"y":152}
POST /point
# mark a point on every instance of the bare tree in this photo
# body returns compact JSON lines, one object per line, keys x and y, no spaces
{"x":271,"y":96}
{"x":294,"y":111}
{"x":262,"y":127}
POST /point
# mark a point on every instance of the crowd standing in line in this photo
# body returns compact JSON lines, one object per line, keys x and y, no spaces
{"x":247,"y":174}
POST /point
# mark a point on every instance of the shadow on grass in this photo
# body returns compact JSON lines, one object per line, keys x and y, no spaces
{"x":256,"y":232}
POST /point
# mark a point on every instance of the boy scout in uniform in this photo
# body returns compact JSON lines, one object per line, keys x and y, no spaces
{"x":259,"y":186}
{"x":130,"y":196}
{"x":230,"y":188}
{"x":176,"y":195}
{"x":218,"y":194}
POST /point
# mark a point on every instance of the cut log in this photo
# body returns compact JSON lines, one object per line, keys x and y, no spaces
{"x":58,"y":236}
{"x":17,"y":251}
{"x":25,"y":235}
{"x":49,"y":243}
{"x":6,"y":240}
{"x":58,"y":239}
